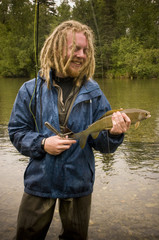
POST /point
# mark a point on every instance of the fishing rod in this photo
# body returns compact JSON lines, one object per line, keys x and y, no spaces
{"x":36,"y":35}
{"x":36,"y":40}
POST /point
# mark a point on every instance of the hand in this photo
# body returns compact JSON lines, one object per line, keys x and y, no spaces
{"x":55,"y":145}
{"x":121,"y":123}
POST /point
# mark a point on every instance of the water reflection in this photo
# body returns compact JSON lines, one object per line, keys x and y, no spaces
{"x":126,"y":193}
{"x":128,"y":186}
{"x":138,"y":156}
{"x":107,"y":161}
{"x":144,"y":157}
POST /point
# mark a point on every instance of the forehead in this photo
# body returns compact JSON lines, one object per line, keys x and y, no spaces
{"x":80,"y":39}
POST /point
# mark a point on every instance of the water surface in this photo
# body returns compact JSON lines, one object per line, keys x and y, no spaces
{"x":125,"y":202}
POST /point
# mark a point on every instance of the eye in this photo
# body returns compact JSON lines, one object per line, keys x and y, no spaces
{"x":77,"y":49}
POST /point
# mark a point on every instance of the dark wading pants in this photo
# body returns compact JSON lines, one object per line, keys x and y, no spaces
{"x":36,"y":213}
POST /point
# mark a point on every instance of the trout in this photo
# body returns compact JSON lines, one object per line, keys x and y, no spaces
{"x":105,"y":123}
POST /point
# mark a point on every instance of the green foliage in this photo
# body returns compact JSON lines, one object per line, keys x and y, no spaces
{"x":17,"y":36}
{"x":140,"y":19}
{"x":126,"y":34}
{"x":131,"y":59}
{"x":82,"y":12}
{"x":16,"y":44}
{"x":63,"y":14}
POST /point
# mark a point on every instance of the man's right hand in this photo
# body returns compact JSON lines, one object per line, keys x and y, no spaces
{"x":55,"y":145}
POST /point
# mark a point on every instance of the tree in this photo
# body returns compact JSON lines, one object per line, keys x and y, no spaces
{"x":114,"y":23}
{"x":63,"y":14}
{"x":18,"y":34}
{"x":139,"y":19}
{"x":17,"y":25}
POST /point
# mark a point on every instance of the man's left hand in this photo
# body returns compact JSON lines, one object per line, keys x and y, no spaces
{"x":121,"y":123}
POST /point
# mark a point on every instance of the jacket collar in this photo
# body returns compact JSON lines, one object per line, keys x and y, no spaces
{"x":87,"y":87}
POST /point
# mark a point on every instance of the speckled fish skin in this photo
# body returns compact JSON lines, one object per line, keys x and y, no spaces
{"x":105,"y":123}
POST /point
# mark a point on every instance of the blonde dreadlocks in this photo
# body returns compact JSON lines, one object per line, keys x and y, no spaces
{"x":54,"y":51}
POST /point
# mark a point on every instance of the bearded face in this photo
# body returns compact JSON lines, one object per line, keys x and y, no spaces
{"x":78,"y":45}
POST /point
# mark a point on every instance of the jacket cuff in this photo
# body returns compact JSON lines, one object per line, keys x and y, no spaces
{"x":40,"y":146}
{"x":115,"y":135}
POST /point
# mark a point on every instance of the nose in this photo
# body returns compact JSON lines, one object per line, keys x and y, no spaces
{"x":81,"y":53}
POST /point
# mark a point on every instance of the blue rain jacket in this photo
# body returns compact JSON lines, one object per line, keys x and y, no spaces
{"x":72,"y":173}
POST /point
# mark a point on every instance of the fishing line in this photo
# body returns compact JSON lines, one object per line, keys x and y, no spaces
{"x":102,"y":64}
{"x":98,"y":35}
{"x":36,"y":27}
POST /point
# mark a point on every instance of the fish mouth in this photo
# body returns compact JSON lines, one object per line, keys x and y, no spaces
{"x":148,"y":115}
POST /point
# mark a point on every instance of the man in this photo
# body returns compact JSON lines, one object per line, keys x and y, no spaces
{"x":66,"y":97}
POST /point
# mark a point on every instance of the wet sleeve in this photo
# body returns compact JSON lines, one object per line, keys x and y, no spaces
{"x":21,"y":127}
{"x":106,"y":143}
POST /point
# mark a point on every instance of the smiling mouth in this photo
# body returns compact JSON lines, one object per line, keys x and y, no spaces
{"x":76,"y":64}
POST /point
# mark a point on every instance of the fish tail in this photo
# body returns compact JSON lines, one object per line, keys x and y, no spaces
{"x":83,"y":141}
{"x":82,"y":138}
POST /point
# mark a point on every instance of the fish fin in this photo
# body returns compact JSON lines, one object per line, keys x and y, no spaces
{"x":94,"y":135}
{"x":113,"y":110}
{"x":83,"y":140}
{"x":137,"y":124}
{"x":81,"y":137}
{"x":110,"y":112}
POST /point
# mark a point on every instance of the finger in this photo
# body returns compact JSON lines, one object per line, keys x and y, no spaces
{"x":114,"y":122}
{"x":126,"y":118}
{"x":118,"y":119}
{"x":67,"y":141}
{"x":65,"y":144}
{"x":62,"y":148}
{"x":119,"y":123}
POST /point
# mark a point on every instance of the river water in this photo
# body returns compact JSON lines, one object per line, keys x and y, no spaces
{"x":125,"y":203}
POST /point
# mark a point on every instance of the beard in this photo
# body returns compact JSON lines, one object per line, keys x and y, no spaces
{"x":71,"y":72}
{"x":75,"y":68}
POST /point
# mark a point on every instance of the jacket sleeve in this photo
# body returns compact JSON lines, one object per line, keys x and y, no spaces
{"x":105,"y":143}
{"x":21,"y":126}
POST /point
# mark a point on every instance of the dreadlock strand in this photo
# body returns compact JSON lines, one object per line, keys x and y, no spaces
{"x":72,"y":51}
{"x":54,"y":51}
{"x":62,"y":49}
{"x":43,"y":57}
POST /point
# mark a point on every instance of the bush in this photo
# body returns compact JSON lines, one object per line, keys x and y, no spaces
{"x":130,"y":59}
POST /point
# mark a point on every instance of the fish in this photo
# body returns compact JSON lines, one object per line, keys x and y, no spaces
{"x":103,"y":123}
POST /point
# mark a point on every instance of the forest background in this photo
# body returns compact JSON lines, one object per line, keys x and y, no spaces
{"x":126,"y":34}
